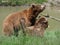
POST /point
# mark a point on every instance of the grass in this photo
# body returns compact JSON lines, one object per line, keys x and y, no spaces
{"x":21,"y":2}
{"x":51,"y":35}
{"x":50,"y":38}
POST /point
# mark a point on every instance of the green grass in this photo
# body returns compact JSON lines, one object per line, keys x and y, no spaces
{"x":51,"y":35}
{"x":50,"y":38}
{"x":22,"y":2}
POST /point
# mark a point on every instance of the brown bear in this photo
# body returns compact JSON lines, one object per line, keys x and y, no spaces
{"x":11,"y":24}
{"x":38,"y":29}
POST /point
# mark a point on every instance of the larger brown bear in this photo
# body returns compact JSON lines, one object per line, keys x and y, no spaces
{"x":11,"y":24}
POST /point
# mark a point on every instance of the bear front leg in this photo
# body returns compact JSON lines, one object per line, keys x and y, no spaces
{"x":16,"y":31}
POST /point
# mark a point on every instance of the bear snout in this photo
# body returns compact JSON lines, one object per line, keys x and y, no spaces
{"x":43,"y":6}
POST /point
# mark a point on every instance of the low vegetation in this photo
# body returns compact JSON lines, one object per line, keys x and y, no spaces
{"x":19,"y":2}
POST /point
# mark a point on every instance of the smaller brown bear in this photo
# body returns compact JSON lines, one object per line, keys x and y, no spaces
{"x":11,"y":24}
{"x":39,"y":27}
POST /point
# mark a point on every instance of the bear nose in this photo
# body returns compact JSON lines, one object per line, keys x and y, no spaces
{"x":43,"y":6}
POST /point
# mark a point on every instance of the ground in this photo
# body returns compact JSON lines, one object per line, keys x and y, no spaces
{"x":51,"y":35}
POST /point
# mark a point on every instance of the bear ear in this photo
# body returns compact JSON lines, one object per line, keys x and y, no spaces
{"x":33,"y":6}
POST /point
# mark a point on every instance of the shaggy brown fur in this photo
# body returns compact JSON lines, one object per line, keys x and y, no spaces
{"x":11,"y":23}
{"x":39,"y":27}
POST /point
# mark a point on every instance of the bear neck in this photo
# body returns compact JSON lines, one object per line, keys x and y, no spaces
{"x":31,"y":16}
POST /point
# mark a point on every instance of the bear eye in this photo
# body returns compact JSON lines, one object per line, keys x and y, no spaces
{"x":44,"y":22}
